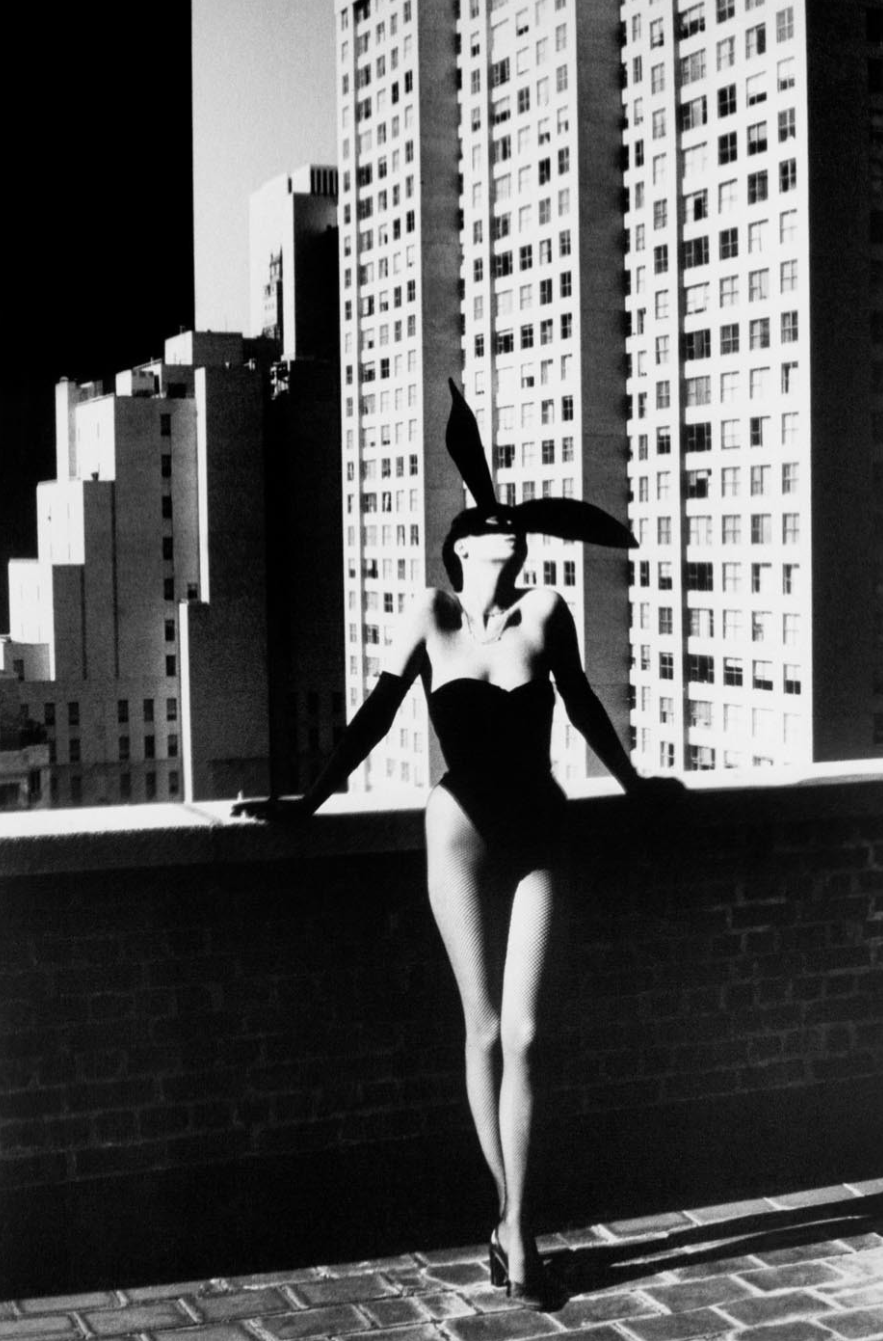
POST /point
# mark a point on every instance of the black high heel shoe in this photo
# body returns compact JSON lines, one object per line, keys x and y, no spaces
{"x":498,"y":1262}
{"x":531,"y":1293}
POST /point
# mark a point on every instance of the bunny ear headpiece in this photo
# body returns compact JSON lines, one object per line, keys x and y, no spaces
{"x":567,"y":518}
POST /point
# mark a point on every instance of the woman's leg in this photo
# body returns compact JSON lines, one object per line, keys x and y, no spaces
{"x":471,"y":918}
{"x":526,"y":979}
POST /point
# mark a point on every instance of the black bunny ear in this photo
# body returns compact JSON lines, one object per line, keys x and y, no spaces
{"x":463,"y":442}
{"x":572,"y":519}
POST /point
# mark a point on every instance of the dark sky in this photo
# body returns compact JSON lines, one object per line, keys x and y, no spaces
{"x":98,"y":221}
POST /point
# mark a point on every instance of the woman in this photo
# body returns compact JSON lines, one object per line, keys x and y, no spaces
{"x":487,"y":654}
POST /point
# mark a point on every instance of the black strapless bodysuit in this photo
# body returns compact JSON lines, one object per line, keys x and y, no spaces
{"x":496,"y":746}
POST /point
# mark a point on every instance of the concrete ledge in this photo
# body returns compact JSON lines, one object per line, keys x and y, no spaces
{"x":149,"y":836}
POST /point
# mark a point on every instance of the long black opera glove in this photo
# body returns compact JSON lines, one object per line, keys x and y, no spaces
{"x":367,"y":729}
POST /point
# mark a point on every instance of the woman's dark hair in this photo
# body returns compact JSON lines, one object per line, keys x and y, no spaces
{"x":474,"y":521}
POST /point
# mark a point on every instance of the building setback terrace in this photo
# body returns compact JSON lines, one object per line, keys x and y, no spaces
{"x":228,"y":1050}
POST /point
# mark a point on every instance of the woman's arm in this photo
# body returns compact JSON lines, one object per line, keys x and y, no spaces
{"x":367,"y":728}
{"x":582,"y":704}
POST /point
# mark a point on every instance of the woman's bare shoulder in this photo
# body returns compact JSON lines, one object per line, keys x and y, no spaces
{"x":541,"y":603}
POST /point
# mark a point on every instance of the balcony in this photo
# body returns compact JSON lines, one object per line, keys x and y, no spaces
{"x":215,"y":1032}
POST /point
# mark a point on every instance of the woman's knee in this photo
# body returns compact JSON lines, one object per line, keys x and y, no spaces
{"x":482,"y":1031}
{"x":519,"y":1037}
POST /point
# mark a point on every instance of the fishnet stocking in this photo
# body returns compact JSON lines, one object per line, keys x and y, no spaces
{"x":497,"y":934}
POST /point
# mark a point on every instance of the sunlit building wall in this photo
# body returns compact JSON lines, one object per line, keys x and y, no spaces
{"x":138,"y":633}
{"x":481,"y":238}
{"x":753,"y":175}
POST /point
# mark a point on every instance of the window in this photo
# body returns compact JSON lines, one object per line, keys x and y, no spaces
{"x":697,"y":344}
{"x":695,"y":160}
{"x":699,"y":531}
{"x":692,"y":67}
{"x":657,"y":33}
{"x":789,"y":327}
{"x":758,"y":431}
{"x":695,"y":206}
{"x":696,"y":298}
{"x":700,"y":712}
{"x":733,"y":671}
{"x":759,"y":333}
{"x":755,"y":41}
{"x":695,"y":252}
{"x":758,"y":187}
{"x":700,"y":577}
{"x":761,"y":578}
{"x":729,"y":338}
{"x":666,"y":666}
{"x":730,"y":434}
{"x":726,"y":53}
{"x":789,"y":377}
{"x":788,"y":276}
{"x":725,"y":10}
{"x":729,"y":387}
{"x":791,"y":679}
{"x":788,"y":175}
{"x":727,"y":196}
{"x":787,"y":125}
{"x":785,"y":24}
{"x":790,"y":528}
{"x":761,"y":675}
{"x":789,"y":477}
{"x":788,"y":226}
{"x":730,"y":482}
{"x":693,"y":114}
{"x":731,"y":529}
{"x":698,"y":390}
{"x":726,"y":100}
{"x":732,"y":577}
{"x":697,"y":438}
{"x":727,"y":147}
{"x":761,"y":626}
{"x":761,"y":528}
{"x":786,"y":74}
{"x":729,"y":243}
{"x":700,"y":668}
{"x":757,"y":138}
{"x":758,"y":285}
{"x":760,"y":480}
{"x":692,"y":21}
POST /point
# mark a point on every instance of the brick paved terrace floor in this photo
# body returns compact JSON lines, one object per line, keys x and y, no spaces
{"x":799,"y":1267}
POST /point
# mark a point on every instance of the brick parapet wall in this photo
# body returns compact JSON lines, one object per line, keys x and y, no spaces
{"x":205,"y":993}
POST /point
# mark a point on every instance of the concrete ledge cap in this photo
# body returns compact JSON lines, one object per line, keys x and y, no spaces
{"x":164,"y":835}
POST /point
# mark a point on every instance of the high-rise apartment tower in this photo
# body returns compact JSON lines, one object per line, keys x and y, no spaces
{"x":481,"y":238}
{"x":754,"y":216}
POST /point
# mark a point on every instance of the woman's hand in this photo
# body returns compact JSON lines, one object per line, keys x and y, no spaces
{"x":291,"y":811}
{"x":659,"y":791}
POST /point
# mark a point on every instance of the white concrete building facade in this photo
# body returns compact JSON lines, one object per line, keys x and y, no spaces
{"x":138,"y":632}
{"x":752,"y":141}
{"x":480,"y":239}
